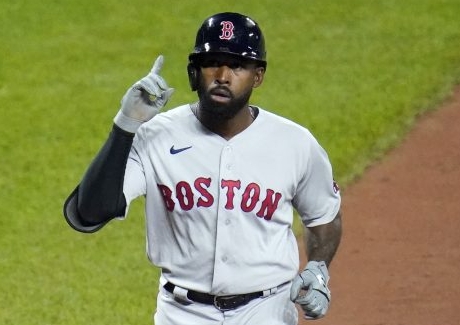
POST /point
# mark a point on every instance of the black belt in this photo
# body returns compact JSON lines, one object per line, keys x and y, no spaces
{"x":222,"y":303}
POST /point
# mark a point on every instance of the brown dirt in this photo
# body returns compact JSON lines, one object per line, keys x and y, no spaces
{"x":399,"y":260}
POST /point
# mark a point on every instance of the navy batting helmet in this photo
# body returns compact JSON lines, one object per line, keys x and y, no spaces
{"x":227,"y":32}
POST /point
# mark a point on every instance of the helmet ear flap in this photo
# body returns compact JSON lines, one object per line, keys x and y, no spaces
{"x":192,"y":76}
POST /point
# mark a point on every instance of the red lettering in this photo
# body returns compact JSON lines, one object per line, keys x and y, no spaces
{"x":269,"y":205}
{"x":201,"y":185}
{"x":166,"y":193}
{"x":230,"y":185}
{"x":184,"y":195}
{"x":250,"y":197}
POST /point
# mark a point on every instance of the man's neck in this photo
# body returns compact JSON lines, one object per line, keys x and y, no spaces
{"x":227,"y":129}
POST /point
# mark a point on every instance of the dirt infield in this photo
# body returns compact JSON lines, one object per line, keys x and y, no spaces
{"x":399,"y":261}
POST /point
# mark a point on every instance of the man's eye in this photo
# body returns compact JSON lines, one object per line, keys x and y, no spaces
{"x":235,"y":65}
{"x":209,"y":64}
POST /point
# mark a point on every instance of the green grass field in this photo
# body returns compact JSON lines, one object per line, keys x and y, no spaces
{"x":355,"y":72}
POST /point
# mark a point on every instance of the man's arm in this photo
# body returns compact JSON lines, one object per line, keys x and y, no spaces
{"x":99,"y":197}
{"x":310,"y":288}
{"x":322,"y":242}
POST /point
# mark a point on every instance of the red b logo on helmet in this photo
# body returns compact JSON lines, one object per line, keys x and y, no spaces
{"x":227,"y":30}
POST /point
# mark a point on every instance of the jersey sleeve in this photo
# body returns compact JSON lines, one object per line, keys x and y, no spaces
{"x":134,"y":182}
{"x":317,"y":198}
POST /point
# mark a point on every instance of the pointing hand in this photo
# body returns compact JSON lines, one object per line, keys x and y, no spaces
{"x":144,"y":99}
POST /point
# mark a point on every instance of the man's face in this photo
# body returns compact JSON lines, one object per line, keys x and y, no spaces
{"x":225,"y":83}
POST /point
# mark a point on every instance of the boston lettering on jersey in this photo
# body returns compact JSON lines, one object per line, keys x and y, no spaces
{"x":250,"y":196}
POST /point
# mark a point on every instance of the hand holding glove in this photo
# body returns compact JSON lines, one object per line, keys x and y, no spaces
{"x":144,"y":99}
{"x":313,"y":280}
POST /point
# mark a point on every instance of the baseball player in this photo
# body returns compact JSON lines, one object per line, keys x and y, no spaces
{"x":221,"y":179}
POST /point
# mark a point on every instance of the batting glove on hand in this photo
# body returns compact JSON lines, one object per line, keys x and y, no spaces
{"x":144,"y":99}
{"x":313,"y":281}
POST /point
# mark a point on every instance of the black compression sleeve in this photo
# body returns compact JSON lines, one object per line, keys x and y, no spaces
{"x":100,"y":194}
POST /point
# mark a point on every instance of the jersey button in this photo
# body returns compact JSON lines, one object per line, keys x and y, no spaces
{"x":224,"y":259}
{"x":227,"y":222}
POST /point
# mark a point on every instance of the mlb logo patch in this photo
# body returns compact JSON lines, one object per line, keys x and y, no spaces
{"x":335,"y":187}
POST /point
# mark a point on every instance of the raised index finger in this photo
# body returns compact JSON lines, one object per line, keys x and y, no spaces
{"x":157,"y":65}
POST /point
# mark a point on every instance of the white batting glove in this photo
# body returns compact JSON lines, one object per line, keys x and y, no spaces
{"x":144,"y":99}
{"x":313,"y":281}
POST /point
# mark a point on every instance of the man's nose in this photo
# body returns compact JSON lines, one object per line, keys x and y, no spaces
{"x":223,"y":74}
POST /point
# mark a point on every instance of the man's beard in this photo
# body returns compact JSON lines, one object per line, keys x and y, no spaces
{"x":222,"y":111}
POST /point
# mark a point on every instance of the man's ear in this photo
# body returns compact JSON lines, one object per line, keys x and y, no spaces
{"x":192,"y":76}
{"x":259,"y":77}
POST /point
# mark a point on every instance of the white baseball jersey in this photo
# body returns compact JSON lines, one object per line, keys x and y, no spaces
{"x":219,"y":213}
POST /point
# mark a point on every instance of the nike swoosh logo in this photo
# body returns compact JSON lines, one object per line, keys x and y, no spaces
{"x":174,"y":151}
